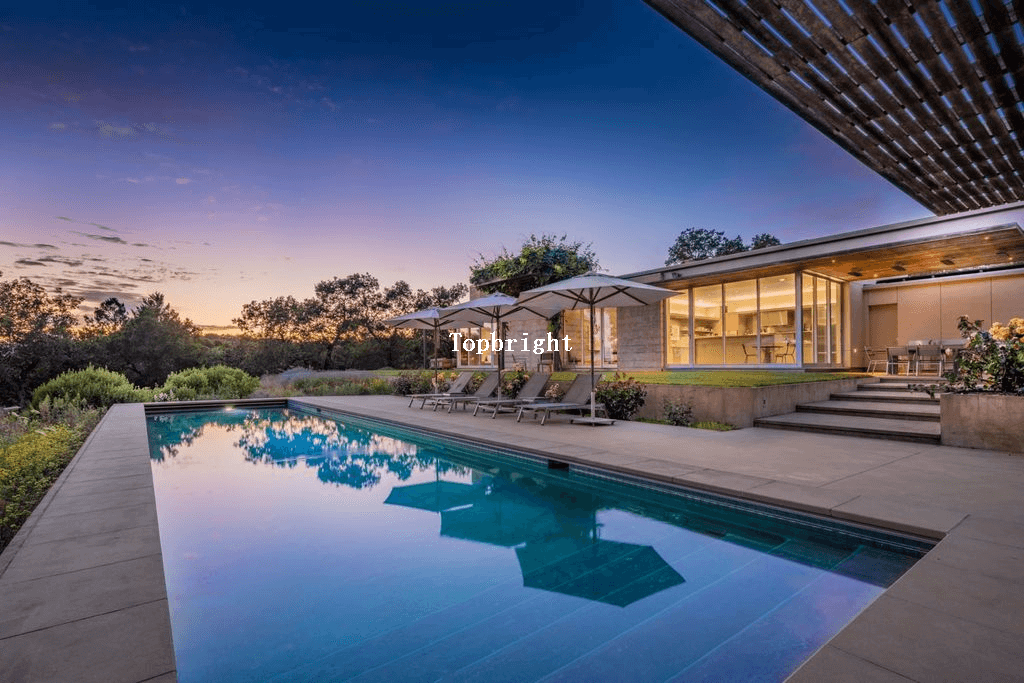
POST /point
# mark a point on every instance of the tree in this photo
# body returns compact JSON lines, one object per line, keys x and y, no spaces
{"x":541,"y":261}
{"x":764,"y":239}
{"x":35,"y":339}
{"x":109,"y":317}
{"x":154,"y":342}
{"x":697,"y":244}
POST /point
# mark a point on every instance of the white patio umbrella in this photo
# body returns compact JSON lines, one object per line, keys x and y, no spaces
{"x":427,"y":319}
{"x":497,"y":309}
{"x":591,"y":291}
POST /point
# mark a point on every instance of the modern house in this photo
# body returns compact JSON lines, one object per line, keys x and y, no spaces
{"x":811,"y":304}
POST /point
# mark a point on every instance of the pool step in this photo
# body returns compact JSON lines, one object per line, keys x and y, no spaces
{"x":907,"y":411}
{"x":920,"y":431}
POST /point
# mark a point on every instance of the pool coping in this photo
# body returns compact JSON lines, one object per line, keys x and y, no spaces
{"x":84,"y":576}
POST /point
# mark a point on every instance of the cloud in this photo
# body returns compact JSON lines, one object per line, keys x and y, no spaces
{"x":58,"y":126}
{"x":329,"y":103}
{"x":140,"y":244}
{"x":63,"y":260}
{"x":183,"y":181}
{"x":102,"y":227}
{"x":132,"y":180}
{"x":64,"y":218}
{"x":138,"y":48}
{"x":28,"y":262}
{"x":109,"y":130}
{"x":105,"y":238}
{"x":19,"y":245}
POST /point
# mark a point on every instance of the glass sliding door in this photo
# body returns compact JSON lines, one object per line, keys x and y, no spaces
{"x":472,"y":359}
{"x":822,"y":320}
{"x":741,"y":327}
{"x":707,"y":325}
{"x":678,"y":333}
{"x":576,"y":324}
{"x":777,"y":306}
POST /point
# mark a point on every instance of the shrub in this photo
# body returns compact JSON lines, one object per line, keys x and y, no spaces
{"x":218,"y":381}
{"x":339,"y":386}
{"x":990,"y":361}
{"x":622,"y":397}
{"x":512,"y":383}
{"x":93,"y":387}
{"x":413,"y":382}
{"x":713,"y":426}
{"x":27,"y":468}
{"x":555,"y":392}
{"x":678,"y":413}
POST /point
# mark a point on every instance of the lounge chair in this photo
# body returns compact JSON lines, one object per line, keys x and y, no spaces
{"x":530,"y":393}
{"x":457,"y":388}
{"x":487,"y":388}
{"x":576,"y":398}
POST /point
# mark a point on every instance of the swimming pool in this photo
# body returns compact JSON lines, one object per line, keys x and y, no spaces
{"x":300,"y":547}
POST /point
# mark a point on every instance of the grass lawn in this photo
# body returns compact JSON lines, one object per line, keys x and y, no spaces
{"x":711,"y":378}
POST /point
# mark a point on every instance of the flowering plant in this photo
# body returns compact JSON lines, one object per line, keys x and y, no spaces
{"x":554,"y":393}
{"x":991,"y":360}
{"x":513,"y":382}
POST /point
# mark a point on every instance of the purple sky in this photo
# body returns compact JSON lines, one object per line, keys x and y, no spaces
{"x":222,"y":153}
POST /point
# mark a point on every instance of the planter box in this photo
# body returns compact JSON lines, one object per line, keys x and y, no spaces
{"x":990,"y":421}
{"x":740,"y":406}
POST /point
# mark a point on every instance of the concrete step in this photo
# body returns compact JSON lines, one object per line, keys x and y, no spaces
{"x":913,"y":379}
{"x":884,"y":409}
{"x":847,"y":425}
{"x":887,"y":396}
{"x":890,"y":386}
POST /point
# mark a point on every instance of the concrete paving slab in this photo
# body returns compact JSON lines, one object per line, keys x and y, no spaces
{"x":91,"y":502}
{"x":926,"y":645}
{"x":124,"y":646}
{"x":56,"y":528}
{"x":37,"y":560}
{"x":40,"y":603}
{"x":807,"y":498}
{"x":835,"y":666}
{"x":977,"y":597}
{"x":931,"y":522}
{"x":984,"y":558}
{"x":671,"y":471}
{"x":108,"y":485}
{"x":990,"y":529}
{"x":721,"y":482}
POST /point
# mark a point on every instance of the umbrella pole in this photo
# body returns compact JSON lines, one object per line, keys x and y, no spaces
{"x":501,"y":354}
{"x":437,"y":350}
{"x":593,"y":384}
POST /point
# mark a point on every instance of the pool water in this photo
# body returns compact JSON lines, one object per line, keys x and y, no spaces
{"x":298,"y":547}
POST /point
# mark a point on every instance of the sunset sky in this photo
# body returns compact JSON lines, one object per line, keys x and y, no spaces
{"x":225,"y":153}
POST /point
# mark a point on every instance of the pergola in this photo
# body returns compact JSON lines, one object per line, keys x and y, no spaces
{"x":927,"y":93}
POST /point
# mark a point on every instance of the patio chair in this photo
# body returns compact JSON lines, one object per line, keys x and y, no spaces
{"x":546,"y":362}
{"x":576,"y":398}
{"x":897,"y":356}
{"x":930,"y":354}
{"x":876,"y":358}
{"x":487,"y":387}
{"x":457,"y":387}
{"x":749,"y":353}
{"x":530,"y":393}
{"x":788,"y":351}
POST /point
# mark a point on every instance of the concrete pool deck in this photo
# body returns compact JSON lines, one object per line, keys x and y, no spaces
{"x":82,"y":593}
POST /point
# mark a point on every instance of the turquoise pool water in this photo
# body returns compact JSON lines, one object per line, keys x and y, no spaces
{"x":299,"y":547}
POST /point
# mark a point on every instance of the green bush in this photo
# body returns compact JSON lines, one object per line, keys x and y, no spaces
{"x":413,"y":382}
{"x":990,"y":361}
{"x":678,"y":413}
{"x":513,"y":382}
{"x":92,"y":387}
{"x":622,"y":397}
{"x":27,"y":468}
{"x":218,"y":381}
{"x":339,"y":386}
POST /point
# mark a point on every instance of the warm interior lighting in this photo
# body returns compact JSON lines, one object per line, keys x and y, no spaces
{"x":948,"y":261}
{"x":898,"y":267}
{"x":855,"y":273}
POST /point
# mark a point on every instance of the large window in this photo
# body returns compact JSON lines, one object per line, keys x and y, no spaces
{"x":741,"y":323}
{"x":822,"y":316}
{"x":707,"y":325}
{"x":679,"y":329}
{"x":472,"y":359}
{"x":576,"y":324}
{"x":778,"y":318}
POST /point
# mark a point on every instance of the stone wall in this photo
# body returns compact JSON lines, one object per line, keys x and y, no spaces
{"x":991,"y":421}
{"x":641,"y":332}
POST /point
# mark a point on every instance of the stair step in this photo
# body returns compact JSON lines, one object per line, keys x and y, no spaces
{"x":887,"y":396}
{"x":913,"y":379}
{"x":892,"y":411}
{"x":846,"y":425}
{"x":889,"y":386}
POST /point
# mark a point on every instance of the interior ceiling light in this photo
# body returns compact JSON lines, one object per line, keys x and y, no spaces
{"x":855,"y":273}
{"x":898,"y":267}
{"x":948,"y":261}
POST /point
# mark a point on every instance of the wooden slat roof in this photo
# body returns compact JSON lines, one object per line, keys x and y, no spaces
{"x":926,"y":93}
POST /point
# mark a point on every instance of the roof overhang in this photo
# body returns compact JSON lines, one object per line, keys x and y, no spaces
{"x":928,"y":95}
{"x":946,"y":245}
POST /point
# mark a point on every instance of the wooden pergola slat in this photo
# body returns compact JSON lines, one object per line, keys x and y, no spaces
{"x":928,"y":93}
